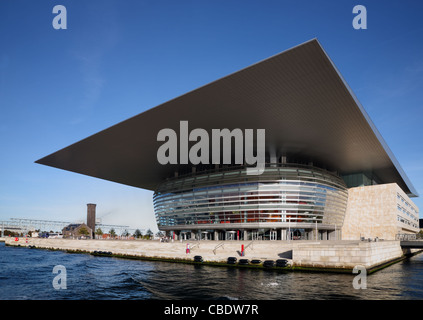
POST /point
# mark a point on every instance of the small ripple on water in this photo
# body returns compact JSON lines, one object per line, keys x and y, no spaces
{"x":226,"y":298}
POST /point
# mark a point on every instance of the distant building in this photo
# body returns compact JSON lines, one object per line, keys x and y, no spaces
{"x":77,"y":231}
{"x":91,"y":217}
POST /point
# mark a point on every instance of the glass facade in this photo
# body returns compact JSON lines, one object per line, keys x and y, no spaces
{"x":360,"y":179}
{"x":408,"y":214}
{"x":284,"y":195}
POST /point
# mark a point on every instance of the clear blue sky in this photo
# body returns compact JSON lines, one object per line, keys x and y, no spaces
{"x":120,"y":58}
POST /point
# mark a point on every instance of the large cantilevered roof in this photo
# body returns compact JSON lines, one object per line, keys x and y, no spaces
{"x":299,"y":98}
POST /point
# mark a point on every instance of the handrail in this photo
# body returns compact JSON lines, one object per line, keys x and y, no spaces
{"x":218,"y":246}
{"x":408,"y":236}
{"x":195,"y":245}
{"x":250,"y":244}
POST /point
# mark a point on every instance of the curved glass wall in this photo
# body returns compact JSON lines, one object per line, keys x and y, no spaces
{"x":282,"y":195}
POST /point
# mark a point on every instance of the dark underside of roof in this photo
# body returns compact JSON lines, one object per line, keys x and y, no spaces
{"x":297,"y":96}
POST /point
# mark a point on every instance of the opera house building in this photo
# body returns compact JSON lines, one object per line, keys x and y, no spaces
{"x":327,"y":172}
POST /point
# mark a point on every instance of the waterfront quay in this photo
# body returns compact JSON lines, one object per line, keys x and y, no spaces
{"x":331,"y":256}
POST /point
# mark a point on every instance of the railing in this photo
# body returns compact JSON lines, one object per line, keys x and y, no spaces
{"x":409,"y":236}
{"x":249,"y":245}
{"x":197,"y":245}
{"x":218,"y":246}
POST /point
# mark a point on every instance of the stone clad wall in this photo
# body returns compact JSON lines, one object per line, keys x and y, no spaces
{"x":371,"y":212}
{"x":346,"y":255}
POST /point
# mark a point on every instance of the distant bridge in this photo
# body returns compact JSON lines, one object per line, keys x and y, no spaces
{"x":416,"y":244}
{"x":410,"y":241}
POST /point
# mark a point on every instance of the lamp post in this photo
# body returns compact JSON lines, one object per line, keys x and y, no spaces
{"x":289,"y":229}
{"x":315,"y":223}
{"x":317,"y":234}
{"x":335,"y":232}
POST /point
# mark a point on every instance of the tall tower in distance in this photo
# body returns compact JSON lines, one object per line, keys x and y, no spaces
{"x":91,"y":217}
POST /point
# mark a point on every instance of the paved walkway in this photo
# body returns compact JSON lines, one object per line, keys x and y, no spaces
{"x":340,"y":255}
{"x":263,"y":250}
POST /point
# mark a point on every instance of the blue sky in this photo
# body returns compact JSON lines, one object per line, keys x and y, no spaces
{"x":117,"y":59}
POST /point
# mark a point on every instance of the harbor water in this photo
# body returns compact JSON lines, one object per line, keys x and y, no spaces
{"x":27,"y":274}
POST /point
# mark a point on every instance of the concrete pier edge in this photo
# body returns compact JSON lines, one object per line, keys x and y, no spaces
{"x":290,"y":268}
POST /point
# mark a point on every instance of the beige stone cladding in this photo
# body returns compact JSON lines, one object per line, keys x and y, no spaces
{"x":346,"y":254}
{"x":374,"y":211}
{"x":407,"y":213}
